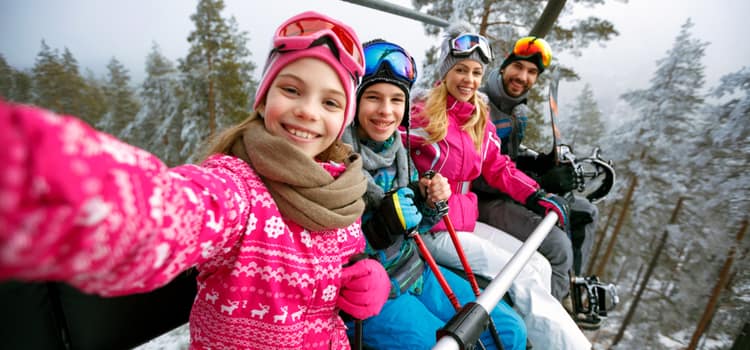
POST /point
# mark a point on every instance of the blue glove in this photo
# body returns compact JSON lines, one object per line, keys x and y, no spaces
{"x":396,"y":217}
{"x":405,"y":209}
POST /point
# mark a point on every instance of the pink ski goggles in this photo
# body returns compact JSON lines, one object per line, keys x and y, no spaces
{"x":308,"y":28}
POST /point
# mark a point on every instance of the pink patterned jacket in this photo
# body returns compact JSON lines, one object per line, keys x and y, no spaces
{"x":80,"y":206}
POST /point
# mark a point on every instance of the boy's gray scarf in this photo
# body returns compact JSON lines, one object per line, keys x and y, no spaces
{"x":497,"y":95}
{"x":372,"y":161}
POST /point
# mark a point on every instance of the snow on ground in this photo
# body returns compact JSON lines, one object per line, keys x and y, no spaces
{"x":176,"y":339}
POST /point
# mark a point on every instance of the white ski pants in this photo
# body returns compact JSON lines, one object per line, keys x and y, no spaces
{"x":488,"y":249}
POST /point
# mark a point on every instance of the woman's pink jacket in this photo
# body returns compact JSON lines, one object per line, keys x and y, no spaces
{"x":456,"y":158}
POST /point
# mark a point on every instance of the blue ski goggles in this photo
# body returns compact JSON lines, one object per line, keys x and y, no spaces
{"x":401,"y":63}
{"x":464,"y":44}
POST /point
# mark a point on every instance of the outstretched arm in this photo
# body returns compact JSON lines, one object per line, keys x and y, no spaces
{"x":79,"y":206}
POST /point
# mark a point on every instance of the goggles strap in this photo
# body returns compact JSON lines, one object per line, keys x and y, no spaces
{"x":323,"y":40}
{"x":476,"y":42}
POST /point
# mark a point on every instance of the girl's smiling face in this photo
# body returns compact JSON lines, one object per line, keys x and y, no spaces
{"x":463,"y":79}
{"x":306,"y":105}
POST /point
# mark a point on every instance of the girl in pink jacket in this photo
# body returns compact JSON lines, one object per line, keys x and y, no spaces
{"x":270,"y":219}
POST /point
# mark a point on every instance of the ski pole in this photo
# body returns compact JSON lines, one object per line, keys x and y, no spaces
{"x":470,"y":274}
{"x":358,"y":342}
{"x":439,"y":275}
{"x":433,"y":265}
{"x":442,"y":206}
{"x":357,"y":334}
{"x":461,"y":255}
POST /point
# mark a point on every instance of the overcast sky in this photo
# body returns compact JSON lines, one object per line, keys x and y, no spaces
{"x":96,"y":30}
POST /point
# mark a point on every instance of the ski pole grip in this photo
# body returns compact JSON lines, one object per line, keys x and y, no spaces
{"x":440,"y":206}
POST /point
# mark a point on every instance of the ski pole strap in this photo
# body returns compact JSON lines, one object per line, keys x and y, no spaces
{"x":466,"y":325}
{"x":462,"y":187}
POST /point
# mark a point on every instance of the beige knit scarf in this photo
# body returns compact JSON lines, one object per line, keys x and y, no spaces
{"x":304,"y":191}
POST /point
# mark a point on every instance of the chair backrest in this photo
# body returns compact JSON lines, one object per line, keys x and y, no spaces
{"x":50,"y":315}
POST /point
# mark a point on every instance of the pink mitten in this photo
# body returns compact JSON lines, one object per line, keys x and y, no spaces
{"x":364,"y":289}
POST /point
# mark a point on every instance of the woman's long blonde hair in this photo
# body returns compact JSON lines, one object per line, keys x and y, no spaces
{"x":436,"y":112}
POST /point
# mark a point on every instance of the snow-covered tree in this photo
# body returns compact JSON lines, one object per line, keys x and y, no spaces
{"x":584,"y":127}
{"x":217,"y":75}
{"x":659,"y":148}
{"x":121,"y":103}
{"x":157,"y":127}
{"x":48,"y":72}
{"x":15,"y":85}
{"x":664,"y":131}
{"x":722,"y":158}
{"x":734,"y":128}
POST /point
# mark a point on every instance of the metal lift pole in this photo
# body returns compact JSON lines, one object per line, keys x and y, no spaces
{"x":400,"y":11}
{"x":542,"y":26}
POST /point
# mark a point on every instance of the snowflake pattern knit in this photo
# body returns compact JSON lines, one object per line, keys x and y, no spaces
{"x":79,"y":206}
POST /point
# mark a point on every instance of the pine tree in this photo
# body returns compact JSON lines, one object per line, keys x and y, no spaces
{"x":235,"y":70}
{"x":158,"y":124}
{"x":217,"y":75}
{"x":503,"y":22}
{"x":56,"y":84}
{"x":734,"y":130}
{"x":657,"y":148}
{"x":6,"y":78}
{"x":93,"y":100}
{"x":584,"y":126}
{"x":73,"y":86}
{"x":120,"y":97}
{"x":668,"y":107}
{"x":22,"y":87}
{"x":722,"y":157}
{"x":48,"y":75}
{"x":15,"y":85}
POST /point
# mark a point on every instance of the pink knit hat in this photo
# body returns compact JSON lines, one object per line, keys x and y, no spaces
{"x":300,"y":37}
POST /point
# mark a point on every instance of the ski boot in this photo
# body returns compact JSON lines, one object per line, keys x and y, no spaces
{"x":590,"y":300}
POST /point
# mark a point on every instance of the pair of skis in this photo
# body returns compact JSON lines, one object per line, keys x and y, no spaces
{"x":595,"y":176}
{"x":590,"y":297}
